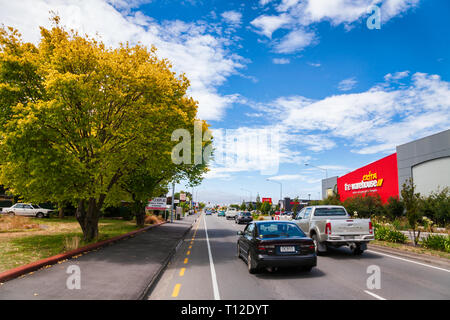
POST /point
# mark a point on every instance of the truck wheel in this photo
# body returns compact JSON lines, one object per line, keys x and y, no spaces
{"x":357,"y":251}
{"x":316,"y":244}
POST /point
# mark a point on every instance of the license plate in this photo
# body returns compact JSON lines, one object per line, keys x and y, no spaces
{"x":287,"y":249}
{"x":349,"y":237}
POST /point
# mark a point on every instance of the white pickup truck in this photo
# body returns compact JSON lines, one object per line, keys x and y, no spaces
{"x":332,"y":226}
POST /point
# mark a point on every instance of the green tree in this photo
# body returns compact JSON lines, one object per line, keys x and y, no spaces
{"x":78,"y":117}
{"x":243,"y":206}
{"x":413,"y":214}
{"x":266,"y":207}
{"x":394,"y":207}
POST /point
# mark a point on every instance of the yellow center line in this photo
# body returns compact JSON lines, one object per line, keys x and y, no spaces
{"x":188,"y":253}
{"x":190,"y":247}
{"x":176,"y":290}
{"x":182,"y":271}
{"x":186,"y":260}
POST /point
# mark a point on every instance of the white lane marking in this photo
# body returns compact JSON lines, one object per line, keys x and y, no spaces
{"x":211,"y":264}
{"x":374,"y":295}
{"x":407,"y":260}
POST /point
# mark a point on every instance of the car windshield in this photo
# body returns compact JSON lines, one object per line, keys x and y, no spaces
{"x":273,"y":230}
{"x":246,"y":214}
{"x":330,"y":212}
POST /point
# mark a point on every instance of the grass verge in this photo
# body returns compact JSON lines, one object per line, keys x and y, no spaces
{"x":53,"y":236}
{"x":412,"y":249}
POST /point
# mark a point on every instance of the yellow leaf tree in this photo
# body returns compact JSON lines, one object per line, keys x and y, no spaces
{"x":77,"y":117}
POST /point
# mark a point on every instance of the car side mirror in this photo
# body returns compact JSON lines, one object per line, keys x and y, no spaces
{"x":240,"y":233}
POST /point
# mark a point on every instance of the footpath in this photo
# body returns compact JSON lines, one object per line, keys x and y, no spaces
{"x":124,"y":270}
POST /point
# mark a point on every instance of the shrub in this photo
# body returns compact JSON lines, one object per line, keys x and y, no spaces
{"x":437,"y":242}
{"x":437,"y":206}
{"x":387,"y":233}
{"x":152,"y":219}
{"x":394,"y":207}
{"x":365,"y":205}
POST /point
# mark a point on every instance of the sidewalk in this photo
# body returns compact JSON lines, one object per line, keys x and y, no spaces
{"x":123,"y":270}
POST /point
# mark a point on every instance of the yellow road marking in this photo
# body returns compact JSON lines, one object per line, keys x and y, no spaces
{"x":190,"y":247}
{"x":176,"y":290}
{"x":188,"y":253}
{"x":182,"y":271}
{"x":186,"y":260}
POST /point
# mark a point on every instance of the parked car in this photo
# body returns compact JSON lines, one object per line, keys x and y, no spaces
{"x":208,"y":212}
{"x":221,"y":213}
{"x":332,"y":226}
{"x":27,"y":209}
{"x":243,"y":217}
{"x":275,"y":244}
{"x":231,"y":213}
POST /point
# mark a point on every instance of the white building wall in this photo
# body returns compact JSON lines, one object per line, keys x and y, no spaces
{"x":431,"y":175}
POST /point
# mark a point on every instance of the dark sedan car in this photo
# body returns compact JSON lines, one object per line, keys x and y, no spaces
{"x":275,"y":244}
{"x":243,"y":217}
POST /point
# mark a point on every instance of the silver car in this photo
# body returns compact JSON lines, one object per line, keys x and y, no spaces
{"x":27,"y":209}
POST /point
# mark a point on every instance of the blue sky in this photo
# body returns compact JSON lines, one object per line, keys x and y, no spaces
{"x":338,"y":94}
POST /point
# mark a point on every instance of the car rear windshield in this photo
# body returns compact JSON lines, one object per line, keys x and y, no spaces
{"x":273,"y":230}
{"x":246,"y":214}
{"x":330,"y":212}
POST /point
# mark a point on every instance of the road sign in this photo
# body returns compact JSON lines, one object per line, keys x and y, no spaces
{"x":157,"y":204}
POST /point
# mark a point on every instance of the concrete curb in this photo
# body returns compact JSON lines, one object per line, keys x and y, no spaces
{"x":17,"y":272}
{"x":442,"y":262}
{"x":154,"y":280}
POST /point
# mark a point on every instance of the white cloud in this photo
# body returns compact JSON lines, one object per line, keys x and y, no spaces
{"x":396,"y":75}
{"x":192,"y":48}
{"x":295,"y":41}
{"x":281,"y":61}
{"x":347,"y":84}
{"x":232,"y":17}
{"x":312,"y":64}
{"x":288,"y":177}
{"x":373,"y":121}
{"x":266,"y":25}
{"x":304,"y":14}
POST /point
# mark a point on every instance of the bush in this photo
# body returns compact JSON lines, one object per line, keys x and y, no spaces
{"x":394,"y":207}
{"x":437,"y":206}
{"x":387,"y":233}
{"x":365,"y":205}
{"x":437,"y":242}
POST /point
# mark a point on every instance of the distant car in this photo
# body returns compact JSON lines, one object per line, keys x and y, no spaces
{"x":231,"y":213}
{"x":221,"y":213}
{"x":208,"y":212}
{"x":275,"y":244}
{"x":27,"y":209}
{"x":243,"y":217}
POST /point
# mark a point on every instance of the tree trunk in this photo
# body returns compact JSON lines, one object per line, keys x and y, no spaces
{"x":139,"y":212}
{"x":61,"y":210}
{"x":88,"y":218}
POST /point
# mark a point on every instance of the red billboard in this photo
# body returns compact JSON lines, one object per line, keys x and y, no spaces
{"x":379,"y":177}
{"x":269,"y":200}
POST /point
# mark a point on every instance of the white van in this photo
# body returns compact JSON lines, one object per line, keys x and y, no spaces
{"x":231,"y":213}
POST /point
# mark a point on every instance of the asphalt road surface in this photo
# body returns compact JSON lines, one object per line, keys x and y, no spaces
{"x":206,"y":267}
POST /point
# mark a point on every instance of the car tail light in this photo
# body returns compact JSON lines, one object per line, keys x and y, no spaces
{"x":370,"y":227}
{"x":328,"y":228}
{"x":266,"y":248}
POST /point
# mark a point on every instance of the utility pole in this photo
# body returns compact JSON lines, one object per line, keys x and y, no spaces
{"x":173,"y":201}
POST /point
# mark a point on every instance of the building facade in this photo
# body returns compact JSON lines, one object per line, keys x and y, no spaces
{"x":426,"y":161}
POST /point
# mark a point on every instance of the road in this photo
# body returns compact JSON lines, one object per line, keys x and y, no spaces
{"x":206,"y":267}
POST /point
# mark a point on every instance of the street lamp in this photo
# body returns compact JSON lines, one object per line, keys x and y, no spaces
{"x":324,"y":169}
{"x":281,"y":188}
{"x":250,"y":193}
